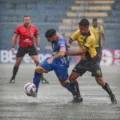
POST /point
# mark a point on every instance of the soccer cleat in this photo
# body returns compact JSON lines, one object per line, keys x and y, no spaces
{"x":35,"y":95}
{"x":77,"y":99}
{"x":12,"y":80}
{"x":113,"y":99}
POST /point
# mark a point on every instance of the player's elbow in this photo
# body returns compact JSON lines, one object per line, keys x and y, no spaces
{"x":62,"y":54}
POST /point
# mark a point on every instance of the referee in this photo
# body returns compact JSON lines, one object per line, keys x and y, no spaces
{"x":26,"y":32}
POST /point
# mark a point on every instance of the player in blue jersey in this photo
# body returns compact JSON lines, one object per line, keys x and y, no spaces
{"x":58,"y":62}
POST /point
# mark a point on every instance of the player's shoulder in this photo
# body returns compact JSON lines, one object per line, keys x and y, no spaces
{"x":62,"y":40}
{"x":77,"y":32}
{"x":100,"y":27}
{"x":33,"y":26}
{"x":91,"y":28}
{"x":20,"y":26}
{"x":91,"y":36}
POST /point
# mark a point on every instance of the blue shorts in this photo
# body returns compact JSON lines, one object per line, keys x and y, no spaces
{"x":60,"y":70}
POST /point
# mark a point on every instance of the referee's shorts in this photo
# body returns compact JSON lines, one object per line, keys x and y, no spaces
{"x":26,"y":50}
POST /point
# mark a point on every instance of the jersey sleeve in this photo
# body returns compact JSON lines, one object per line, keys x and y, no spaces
{"x":102,"y":29}
{"x":90,"y":42}
{"x":17,"y":30}
{"x":63,"y":46}
{"x":36,"y":32}
{"x":74,"y":36}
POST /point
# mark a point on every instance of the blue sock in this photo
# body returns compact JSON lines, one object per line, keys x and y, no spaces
{"x":69,"y":87}
{"x":36,"y":79}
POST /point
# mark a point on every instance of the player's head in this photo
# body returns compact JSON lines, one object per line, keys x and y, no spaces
{"x":27,"y":20}
{"x":84,"y":26}
{"x":94,"y":22}
{"x":51,"y":35}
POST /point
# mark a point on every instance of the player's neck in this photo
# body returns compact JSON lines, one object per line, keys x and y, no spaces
{"x":58,"y":37}
{"x":95,"y":26}
{"x":27,"y":26}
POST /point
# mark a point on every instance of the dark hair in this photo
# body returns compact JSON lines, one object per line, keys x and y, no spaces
{"x":94,"y":19}
{"x":27,"y":16}
{"x":50,"y":32}
{"x":84,"y":22}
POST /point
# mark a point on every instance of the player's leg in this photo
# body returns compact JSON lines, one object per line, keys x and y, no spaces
{"x":73,"y":81}
{"x":99,"y":79}
{"x":63,"y":77}
{"x":19,"y":57}
{"x":78,"y":70}
{"x":34,"y":55}
{"x":107,"y":88}
{"x":43,"y":67}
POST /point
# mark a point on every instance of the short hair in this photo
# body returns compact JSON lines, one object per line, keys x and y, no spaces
{"x":27,"y":16}
{"x":94,"y":19}
{"x":50,"y":33}
{"x":84,"y":22}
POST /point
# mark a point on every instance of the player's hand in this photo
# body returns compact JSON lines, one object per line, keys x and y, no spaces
{"x":50,"y":60}
{"x":38,"y":48}
{"x":13,"y":49}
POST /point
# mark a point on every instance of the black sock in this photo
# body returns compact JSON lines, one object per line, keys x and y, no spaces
{"x":76,"y":89}
{"x":15,"y":70}
{"x":107,"y":89}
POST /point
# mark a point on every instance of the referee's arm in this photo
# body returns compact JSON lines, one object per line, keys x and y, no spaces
{"x":37,"y":40}
{"x":14,"y":39}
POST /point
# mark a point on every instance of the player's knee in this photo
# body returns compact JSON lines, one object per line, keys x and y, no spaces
{"x":100,"y":81}
{"x":17,"y":64}
{"x":39,"y":69}
{"x":64,"y":83}
{"x":72,"y":78}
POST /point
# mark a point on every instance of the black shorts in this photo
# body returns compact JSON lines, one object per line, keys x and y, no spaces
{"x":88,"y":65}
{"x":26,"y":50}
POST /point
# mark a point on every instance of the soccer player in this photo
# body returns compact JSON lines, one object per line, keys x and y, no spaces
{"x":26,"y":33}
{"x":58,"y":62}
{"x":88,"y":62}
{"x":98,"y":32}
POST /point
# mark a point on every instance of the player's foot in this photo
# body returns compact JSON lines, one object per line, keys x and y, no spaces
{"x":113,"y":99}
{"x":77,"y":100}
{"x":12,"y":80}
{"x":44,"y":81}
{"x":35,"y":95}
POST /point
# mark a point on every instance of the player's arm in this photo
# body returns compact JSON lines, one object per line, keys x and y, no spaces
{"x":81,"y":51}
{"x":69,"y":42}
{"x":37,"y":39}
{"x":62,"y":51}
{"x":14,"y":40}
{"x":60,"y":54}
{"x":72,"y":38}
{"x":103,"y":36}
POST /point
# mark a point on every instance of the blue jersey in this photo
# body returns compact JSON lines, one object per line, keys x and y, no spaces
{"x":59,"y":65}
{"x":61,"y":45}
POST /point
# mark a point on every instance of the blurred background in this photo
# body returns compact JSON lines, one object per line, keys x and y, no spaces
{"x":63,"y":15}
